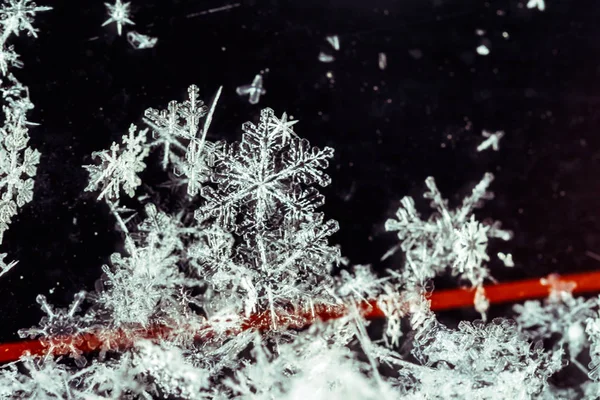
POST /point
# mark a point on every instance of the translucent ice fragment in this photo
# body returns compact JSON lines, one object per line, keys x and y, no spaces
{"x":139,"y":41}
{"x":253,"y":90}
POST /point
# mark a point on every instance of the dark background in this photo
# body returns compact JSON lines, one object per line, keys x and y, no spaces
{"x":421,"y":116}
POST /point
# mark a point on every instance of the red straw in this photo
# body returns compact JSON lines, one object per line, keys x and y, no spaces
{"x":441,"y":300}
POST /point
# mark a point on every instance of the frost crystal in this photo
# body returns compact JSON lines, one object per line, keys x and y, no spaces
{"x":119,"y":14}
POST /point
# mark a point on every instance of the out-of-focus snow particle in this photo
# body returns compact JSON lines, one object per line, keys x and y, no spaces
{"x":415,"y":53}
{"x":482,"y":50}
{"x":539,"y":4}
{"x":506,"y":259}
{"x":492,"y":140}
{"x":253,"y":90}
{"x":479,"y":32}
{"x":139,"y":41}
{"x":326,"y":58}
{"x":382,"y":61}
{"x":334,"y":41}
{"x":118,"y":13}
{"x":481,"y":302}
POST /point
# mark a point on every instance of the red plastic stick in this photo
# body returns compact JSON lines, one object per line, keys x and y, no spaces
{"x":441,"y":300}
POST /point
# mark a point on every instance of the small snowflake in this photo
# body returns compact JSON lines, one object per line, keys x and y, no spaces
{"x":282,"y":125}
{"x":60,"y":329}
{"x":119,"y":166}
{"x":470,"y":247}
{"x":118,"y":13}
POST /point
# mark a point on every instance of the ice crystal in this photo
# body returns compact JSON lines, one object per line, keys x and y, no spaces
{"x":61,"y":331}
{"x":119,"y":14}
{"x":492,"y":140}
{"x":448,"y":238}
{"x":464,"y":363}
{"x":17,"y":16}
{"x":119,"y":167}
{"x":18,"y":164}
{"x":253,"y":90}
{"x":563,"y":318}
{"x":208,"y":299}
{"x":139,"y":41}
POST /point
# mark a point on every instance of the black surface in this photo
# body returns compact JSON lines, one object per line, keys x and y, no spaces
{"x":540,"y":86}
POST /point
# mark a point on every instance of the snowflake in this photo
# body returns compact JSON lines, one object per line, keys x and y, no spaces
{"x":179,"y":121}
{"x":119,"y":14}
{"x":17,"y":15}
{"x":119,"y":167}
{"x":18,"y":164}
{"x":258,"y":175}
{"x":284,"y":126}
{"x":448,"y":238}
{"x":61,"y":331}
{"x":470,"y":248}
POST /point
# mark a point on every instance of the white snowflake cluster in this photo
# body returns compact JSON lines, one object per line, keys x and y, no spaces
{"x":208,"y":301}
{"x":448,"y":239}
{"x":18,"y":161}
